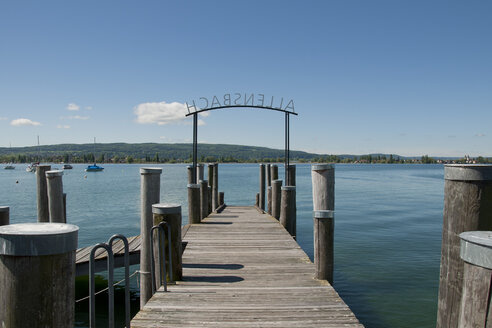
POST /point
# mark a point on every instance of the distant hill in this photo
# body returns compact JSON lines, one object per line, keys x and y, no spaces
{"x":172,"y":153}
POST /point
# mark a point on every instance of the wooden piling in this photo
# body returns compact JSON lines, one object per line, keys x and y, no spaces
{"x":476,"y":252}
{"x":4,"y":215}
{"x":276,"y":198}
{"x":150,"y":188}
{"x":199,"y":173}
{"x":291,"y":171}
{"x":203,"y":199}
{"x":268,"y":174}
{"x":221,"y":198}
{"x":55,"y":196}
{"x":42,"y":193}
{"x":37,"y":275}
{"x":273,"y":172}
{"x":189,"y":169}
{"x":269,"y":199}
{"x":262,"y":186}
{"x":209,"y":200}
{"x":323,"y":245}
{"x":193,"y":203}
{"x":171,"y":214}
{"x":288,"y":209}
{"x":257,"y":201}
{"x":467,"y":207}
{"x":215,"y":187}
{"x":323,"y":180}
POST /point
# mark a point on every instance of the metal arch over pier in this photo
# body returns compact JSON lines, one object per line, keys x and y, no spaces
{"x":248,"y":102}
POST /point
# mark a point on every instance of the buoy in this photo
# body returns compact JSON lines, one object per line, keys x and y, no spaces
{"x":16,"y":181}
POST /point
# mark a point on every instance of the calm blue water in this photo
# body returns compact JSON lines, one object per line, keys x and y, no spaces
{"x":387,"y":226}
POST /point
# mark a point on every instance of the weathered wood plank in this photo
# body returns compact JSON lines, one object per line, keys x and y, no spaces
{"x":241,"y":268}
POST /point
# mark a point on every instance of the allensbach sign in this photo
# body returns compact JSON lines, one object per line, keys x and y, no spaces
{"x":237,"y":99}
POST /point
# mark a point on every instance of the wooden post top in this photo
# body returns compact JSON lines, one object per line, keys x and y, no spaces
{"x":321,"y":167}
{"x":35,"y":239}
{"x":476,"y":248}
{"x":150,"y":170}
{"x":54,"y":173}
{"x":4,"y":209}
{"x":468,"y":172}
{"x":193,"y":185}
{"x":164,"y":208}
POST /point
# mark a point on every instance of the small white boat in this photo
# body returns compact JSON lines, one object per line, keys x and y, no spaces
{"x":9,"y":167}
{"x":32,"y":167}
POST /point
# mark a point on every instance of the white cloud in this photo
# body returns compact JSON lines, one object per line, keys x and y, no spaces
{"x":480,"y":135}
{"x":63,"y":126}
{"x":162,"y":113}
{"x":88,"y":108}
{"x":73,"y":107}
{"x":78,"y":117}
{"x":24,"y":122}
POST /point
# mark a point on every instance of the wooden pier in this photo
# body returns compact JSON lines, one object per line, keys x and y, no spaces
{"x":241,"y":268}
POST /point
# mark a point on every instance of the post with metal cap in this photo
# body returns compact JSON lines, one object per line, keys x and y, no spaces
{"x":276,"y":198}
{"x":55,"y":196}
{"x":323,"y":180}
{"x":37,"y":275}
{"x":467,"y":207}
{"x":42,"y":193}
{"x":4,"y":215}
{"x":193,"y":203}
{"x":288,"y":209}
{"x":323,"y":245}
{"x":476,"y":252}
{"x":171,"y":214}
{"x":203,"y":199}
{"x":150,"y":189}
{"x":262,"y":186}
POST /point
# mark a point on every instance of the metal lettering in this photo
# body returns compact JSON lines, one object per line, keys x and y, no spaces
{"x":215,"y":100}
{"x":188,"y":106}
{"x":290,"y":105}
{"x":261,"y":98}
{"x":246,"y":100}
{"x":238,"y":98}
{"x":227,"y":99}
{"x":206,"y":100}
{"x":271,"y":103}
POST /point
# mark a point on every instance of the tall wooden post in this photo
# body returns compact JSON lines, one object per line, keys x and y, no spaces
{"x":269,"y":189}
{"x":4,"y":215}
{"x":150,"y":189}
{"x":467,"y":207}
{"x":171,"y":214}
{"x":274,"y":172}
{"x":323,"y":245}
{"x":323,"y":180}
{"x":193,"y":203}
{"x":262,"y":186}
{"x":209,"y":200}
{"x":55,"y":196}
{"x":189,"y":169}
{"x":42,"y":193}
{"x":291,"y":171}
{"x":288,"y":209}
{"x":276,"y":198}
{"x":203,"y":199}
{"x":37,"y":275}
{"x":199,"y":172}
{"x":215,"y":187}
{"x":476,"y":252}
{"x":268,"y":175}
{"x":221,"y":198}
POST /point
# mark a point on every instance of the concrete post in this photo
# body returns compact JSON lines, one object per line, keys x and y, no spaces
{"x":276,"y":198}
{"x":476,"y":252}
{"x":203,"y":199}
{"x":42,"y":193}
{"x":37,"y":275}
{"x":4,"y":215}
{"x":150,"y":189}
{"x":55,"y":196}
{"x":291,"y":171}
{"x":215,"y":187}
{"x":193,"y":203}
{"x":199,"y":173}
{"x":171,"y":213}
{"x":467,"y":207}
{"x":288,"y":209}
{"x":323,"y":245}
{"x":262,"y":186}
{"x":323,"y":179}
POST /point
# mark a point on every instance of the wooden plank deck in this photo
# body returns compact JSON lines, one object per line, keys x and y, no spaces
{"x":242,"y":269}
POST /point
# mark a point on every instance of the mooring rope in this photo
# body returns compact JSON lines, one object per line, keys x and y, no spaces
{"x":105,"y":289}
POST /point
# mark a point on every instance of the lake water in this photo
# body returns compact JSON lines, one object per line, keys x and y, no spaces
{"x":388,"y":222}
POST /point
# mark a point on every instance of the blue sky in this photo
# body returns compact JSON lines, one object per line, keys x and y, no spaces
{"x":405,"y":77}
